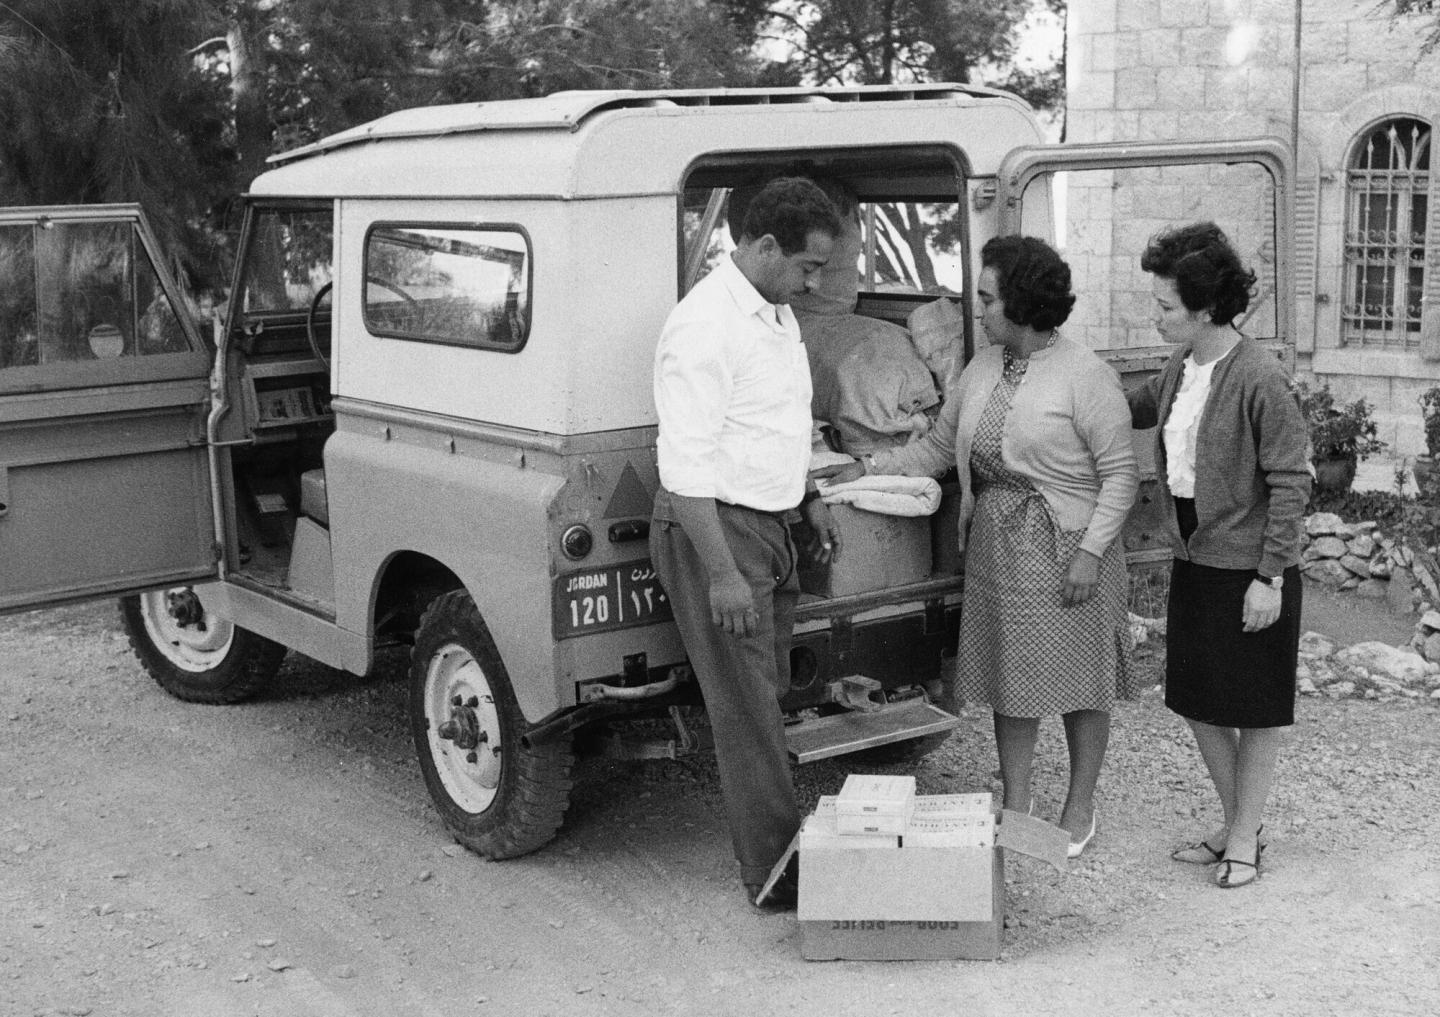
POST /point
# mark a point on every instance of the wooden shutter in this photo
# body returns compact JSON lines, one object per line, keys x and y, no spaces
{"x":1430,"y":309}
{"x":1307,"y":265}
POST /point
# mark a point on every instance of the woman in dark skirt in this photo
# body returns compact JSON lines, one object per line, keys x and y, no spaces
{"x":1231,"y":452}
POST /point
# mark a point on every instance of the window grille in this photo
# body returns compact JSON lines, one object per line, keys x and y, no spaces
{"x":1387,"y":211}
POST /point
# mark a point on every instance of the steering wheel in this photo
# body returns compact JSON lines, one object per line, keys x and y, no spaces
{"x":412,"y":306}
{"x":320,"y":295}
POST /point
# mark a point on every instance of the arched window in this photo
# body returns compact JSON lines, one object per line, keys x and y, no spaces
{"x":1387,"y":208}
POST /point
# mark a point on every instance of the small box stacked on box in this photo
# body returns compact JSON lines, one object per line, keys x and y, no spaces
{"x":873,"y":805}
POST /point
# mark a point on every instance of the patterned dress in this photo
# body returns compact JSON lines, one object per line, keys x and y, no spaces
{"x":1021,"y":652}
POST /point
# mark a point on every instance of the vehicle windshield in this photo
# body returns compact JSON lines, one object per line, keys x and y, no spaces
{"x":288,"y":260}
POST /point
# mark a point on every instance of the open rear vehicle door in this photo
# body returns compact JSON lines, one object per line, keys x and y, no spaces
{"x":1103,"y":202}
{"x":104,"y":472}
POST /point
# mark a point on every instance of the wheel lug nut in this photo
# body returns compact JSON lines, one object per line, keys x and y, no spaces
{"x":455,"y":701}
{"x":472,"y":758}
{"x":473,"y":702}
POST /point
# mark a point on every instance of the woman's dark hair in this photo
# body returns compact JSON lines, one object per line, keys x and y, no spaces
{"x":1206,"y":270}
{"x":1034,"y":281}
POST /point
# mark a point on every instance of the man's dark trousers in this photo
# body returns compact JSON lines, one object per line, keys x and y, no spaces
{"x":741,"y":678}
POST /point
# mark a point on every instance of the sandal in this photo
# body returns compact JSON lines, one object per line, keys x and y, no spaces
{"x":1228,"y":877}
{"x":1199,"y":853}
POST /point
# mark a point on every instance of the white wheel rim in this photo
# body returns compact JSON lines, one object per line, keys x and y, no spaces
{"x":457,"y":690}
{"x":195,"y":646}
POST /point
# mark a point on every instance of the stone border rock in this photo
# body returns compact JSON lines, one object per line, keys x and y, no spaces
{"x":1371,"y":670}
{"x":1368,"y":670}
{"x":1358,"y":557}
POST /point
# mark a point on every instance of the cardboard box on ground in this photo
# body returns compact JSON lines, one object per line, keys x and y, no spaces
{"x":935,"y":891}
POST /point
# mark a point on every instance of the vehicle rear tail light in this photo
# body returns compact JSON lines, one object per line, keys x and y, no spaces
{"x":577,"y":542}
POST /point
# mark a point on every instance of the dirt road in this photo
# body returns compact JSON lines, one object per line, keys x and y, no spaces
{"x":280,"y":858}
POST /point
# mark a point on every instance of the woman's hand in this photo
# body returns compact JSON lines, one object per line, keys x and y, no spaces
{"x":1262,"y":606}
{"x":841,"y":473}
{"x":1081,"y":581}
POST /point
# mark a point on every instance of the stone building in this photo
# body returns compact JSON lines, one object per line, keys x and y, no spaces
{"x":1351,"y":89}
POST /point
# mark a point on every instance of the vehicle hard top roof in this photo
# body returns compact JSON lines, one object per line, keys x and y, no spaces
{"x":567,"y":110}
{"x":535,"y":146}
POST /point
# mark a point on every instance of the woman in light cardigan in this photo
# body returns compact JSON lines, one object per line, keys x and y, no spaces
{"x":1231,"y":450}
{"x":1040,"y":432}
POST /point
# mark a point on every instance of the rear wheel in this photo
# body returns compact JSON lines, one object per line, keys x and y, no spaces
{"x":194,"y":654}
{"x":497,"y":796}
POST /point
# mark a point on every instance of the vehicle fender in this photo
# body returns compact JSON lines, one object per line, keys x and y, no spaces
{"x":485,"y":517}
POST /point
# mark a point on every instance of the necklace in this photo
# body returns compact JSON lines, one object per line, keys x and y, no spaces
{"x":1014,"y":367}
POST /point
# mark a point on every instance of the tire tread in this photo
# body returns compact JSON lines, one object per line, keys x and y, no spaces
{"x":535,"y":801}
{"x":247,"y":669}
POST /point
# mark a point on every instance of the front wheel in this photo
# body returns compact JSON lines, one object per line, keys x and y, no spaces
{"x":194,"y":654}
{"x":497,"y":796}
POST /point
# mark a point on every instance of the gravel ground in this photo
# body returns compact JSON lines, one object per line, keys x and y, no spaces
{"x":280,"y":858}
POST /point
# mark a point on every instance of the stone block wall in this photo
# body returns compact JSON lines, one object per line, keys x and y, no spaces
{"x":1147,"y":70}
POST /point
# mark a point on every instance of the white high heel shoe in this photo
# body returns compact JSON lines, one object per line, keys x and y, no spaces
{"x":1077,"y":847}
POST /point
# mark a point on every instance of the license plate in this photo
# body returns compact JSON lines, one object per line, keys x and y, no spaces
{"x":612,"y":597}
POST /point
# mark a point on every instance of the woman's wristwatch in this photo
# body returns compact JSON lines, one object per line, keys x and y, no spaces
{"x":1274,"y":582}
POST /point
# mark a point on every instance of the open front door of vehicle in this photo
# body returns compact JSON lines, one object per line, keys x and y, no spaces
{"x":104,"y":475}
{"x":1102,"y":203}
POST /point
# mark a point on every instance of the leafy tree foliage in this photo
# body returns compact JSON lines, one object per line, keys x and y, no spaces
{"x":176,"y":104}
{"x":306,"y":68}
{"x":876,"y":42}
{"x":1425,"y":11}
{"x":101,"y":102}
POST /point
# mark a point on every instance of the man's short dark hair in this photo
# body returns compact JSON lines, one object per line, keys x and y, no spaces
{"x":790,"y":209}
{"x":1205,"y":268}
{"x":1033,"y":280}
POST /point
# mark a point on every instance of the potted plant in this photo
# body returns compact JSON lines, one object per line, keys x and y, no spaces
{"x":1341,"y":434}
{"x":1427,"y":467}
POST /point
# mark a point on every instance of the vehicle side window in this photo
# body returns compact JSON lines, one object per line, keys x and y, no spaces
{"x":911,"y":247}
{"x":462,"y":286}
{"x":81,"y":292}
{"x":19,"y":317}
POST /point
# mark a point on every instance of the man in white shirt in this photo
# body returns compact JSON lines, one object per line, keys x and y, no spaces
{"x":732,"y":391}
